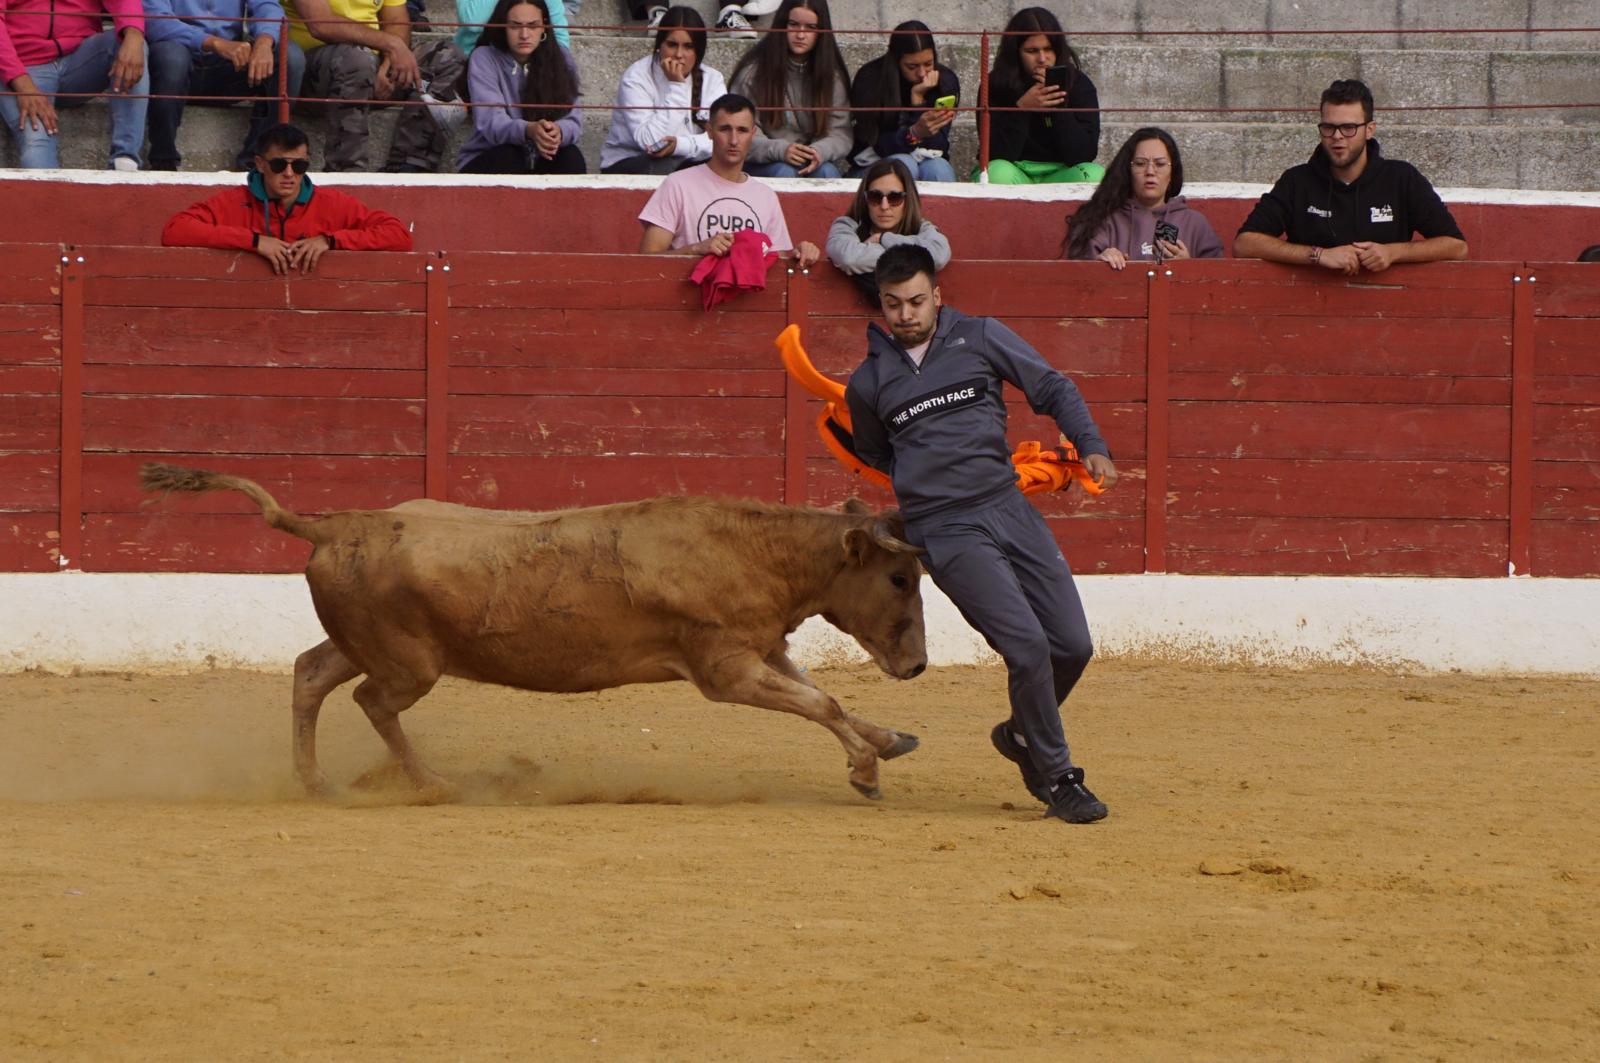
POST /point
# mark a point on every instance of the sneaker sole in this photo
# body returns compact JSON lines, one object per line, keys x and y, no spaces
{"x":1035,"y":787}
{"x":1094,"y":814}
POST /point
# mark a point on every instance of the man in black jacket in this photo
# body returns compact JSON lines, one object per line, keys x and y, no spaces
{"x":1349,"y":208}
{"x":926,"y":408}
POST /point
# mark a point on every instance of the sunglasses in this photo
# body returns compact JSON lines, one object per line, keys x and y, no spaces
{"x":279,"y":165}
{"x":878,"y":198}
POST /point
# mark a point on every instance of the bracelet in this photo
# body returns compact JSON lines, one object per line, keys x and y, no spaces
{"x":1316,"y":254}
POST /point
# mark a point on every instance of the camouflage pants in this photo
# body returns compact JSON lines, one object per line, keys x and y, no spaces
{"x":348,"y":71}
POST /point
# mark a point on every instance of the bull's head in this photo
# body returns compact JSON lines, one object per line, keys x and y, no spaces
{"x":877,"y":596}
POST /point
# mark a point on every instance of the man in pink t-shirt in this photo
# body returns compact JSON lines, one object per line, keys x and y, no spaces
{"x":697,"y":210}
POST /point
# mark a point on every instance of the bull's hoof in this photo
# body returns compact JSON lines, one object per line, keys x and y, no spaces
{"x":903,"y":744}
{"x":320,"y":789}
{"x":868,"y":790}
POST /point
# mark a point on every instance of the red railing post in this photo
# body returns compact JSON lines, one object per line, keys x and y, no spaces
{"x":69,"y":506}
{"x":1519,"y":538}
{"x":1158,"y":338}
{"x":797,"y":305}
{"x":283,"y":69}
{"x":983,"y":108}
{"x":435,"y":465}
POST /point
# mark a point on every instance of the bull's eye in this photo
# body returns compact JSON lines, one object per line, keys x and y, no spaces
{"x":899,"y":580}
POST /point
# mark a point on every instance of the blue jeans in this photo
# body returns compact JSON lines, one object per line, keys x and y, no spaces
{"x":783,"y":169}
{"x":928,"y":169}
{"x":176,"y":71}
{"x":88,"y":69}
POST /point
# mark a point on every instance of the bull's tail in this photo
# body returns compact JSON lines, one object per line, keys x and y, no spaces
{"x":158,"y":476}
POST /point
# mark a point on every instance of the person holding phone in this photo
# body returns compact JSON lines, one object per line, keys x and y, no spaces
{"x":1137,"y":213}
{"x":1055,"y":135}
{"x":645,"y":140}
{"x":523,"y":86}
{"x":908,"y":76}
{"x":801,"y":87}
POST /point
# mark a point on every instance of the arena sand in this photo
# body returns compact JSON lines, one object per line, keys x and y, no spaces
{"x":1322,"y":865}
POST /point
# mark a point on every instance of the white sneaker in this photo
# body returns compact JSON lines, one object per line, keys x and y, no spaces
{"x":447,"y":113}
{"x":734,"y":25}
{"x":757,"y":8}
{"x":653,"y":18}
{"x":125,"y":164}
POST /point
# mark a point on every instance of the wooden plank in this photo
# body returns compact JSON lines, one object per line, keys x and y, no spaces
{"x":29,"y":480}
{"x":30,"y":334}
{"x":1567,"y":390}
{"x":564,"y":282}
{"x":230,"y":380}
{"x":588,"y":427}
{"x":635,"y":337}
{"x":1354,"y":489}
{"x":305,"y":484}
{"x":1286,"y":342}
{"x":29,"y":542}
{"x":1566,"y":490}
{"x":1157,"y":427}
{"x":143,"y":335}
{"x":188,"y":542}
{"x":1012,"y":290}
{"x":663,"y":383}
{"x":231,"y":424}
{"x":1443,"y":290}
{"x":795,"y":399}
{"x":1567,"y":549}
{"x":1342,"y":430}
{"x":149,"y":261}
{"x":1336,"y":546}
{"x":30,"y":380}
{"x":1121,"y":423}
{"x":1298,"y":387}
{"x":69,"y":504}
{"x":264,"y":293}
{"x":30,"y":273}
{"x":1519,"y":558}
{"x":1565,"y":345}
{"x":1566,"y":433}
{"x":436,"y":428}
{"x":541,"y":483}
{"x":1565,"y":289}
{"x":1100,"y":547}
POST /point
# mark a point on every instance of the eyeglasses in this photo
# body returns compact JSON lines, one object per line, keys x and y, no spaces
{"x":878,"y":198}
{"x":1152,"y":164}
{"x":281,"y":164}
{"x":1343,"y":129}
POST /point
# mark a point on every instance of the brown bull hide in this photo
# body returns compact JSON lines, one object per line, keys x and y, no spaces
{"x":699,"y":589}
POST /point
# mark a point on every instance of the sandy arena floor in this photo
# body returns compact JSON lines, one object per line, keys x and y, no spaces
{"x":1325,"y":865}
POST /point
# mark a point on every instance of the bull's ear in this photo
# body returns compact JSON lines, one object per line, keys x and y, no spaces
{"x":886,"y":534}
{"x":857,"y":545}
{"x":855,"y":507}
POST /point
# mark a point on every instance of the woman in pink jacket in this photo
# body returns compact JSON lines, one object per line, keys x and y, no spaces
{"x":1136,"y":212}
{"x":62,"y":49}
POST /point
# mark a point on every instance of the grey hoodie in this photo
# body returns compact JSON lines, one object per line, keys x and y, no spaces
{"x":939,"y":430}
{"x":1132,"y":230}
{"x":799,"y":127}
{"x":851,"y":254}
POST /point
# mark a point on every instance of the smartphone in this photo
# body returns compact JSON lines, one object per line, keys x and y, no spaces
{"x":946,"y":102}
{"x":1167,"y":231}
{"x":1059,"y":77}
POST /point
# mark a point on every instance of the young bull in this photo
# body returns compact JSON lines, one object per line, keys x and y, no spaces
{"x":586,"y":599}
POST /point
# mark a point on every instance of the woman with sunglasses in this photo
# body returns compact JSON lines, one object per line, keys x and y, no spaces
{"x":909,"y":76}
{"x":1056,"y":134}
{"x":886,"y":212}
{"x":523,"y":86}
{"x":674,"y":76}
{"x":1137,"y":214}
{"x":801,"y":88}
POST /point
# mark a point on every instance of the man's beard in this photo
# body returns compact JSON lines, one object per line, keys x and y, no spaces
{"x":918,"y":338}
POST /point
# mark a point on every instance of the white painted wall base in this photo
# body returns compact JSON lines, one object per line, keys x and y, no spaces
{"x":157,"y":622}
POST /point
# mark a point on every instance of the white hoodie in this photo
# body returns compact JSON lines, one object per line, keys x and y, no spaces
{"x":634,"y":127}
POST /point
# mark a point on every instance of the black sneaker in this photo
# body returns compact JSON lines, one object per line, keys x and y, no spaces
{"x":1071,"y":801}
{"x":1006,"y":744}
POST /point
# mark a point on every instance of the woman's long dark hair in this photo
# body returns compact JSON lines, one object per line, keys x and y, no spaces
{"x":1115,"y":189}
{"x":687,"y":19}
{"x":882,"y":82}
{"x":910,"y":221}
{"x":1006,"y":80}
{"x":551,"y":90}
{"x":770,"y":58}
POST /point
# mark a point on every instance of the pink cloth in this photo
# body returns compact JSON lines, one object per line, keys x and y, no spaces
{"x":28,"y":40}
{"x":742,"y":269}
{"x":695,"y":204}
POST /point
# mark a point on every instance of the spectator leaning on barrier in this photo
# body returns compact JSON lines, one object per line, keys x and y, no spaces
{"x":360,"y":50}
{"x":697,"y":210}
{"x":59,"y":47}
{"x":523,"y":86}
{"x":473,"y":14}
{"x":673,"y":76}
{"x":281,"y":216}
{"x":908,"y":76}
{"x":1136,"y":213}
{"x":886,"y":213}
{"x":210,"y":50}
{"x":1349,"y":208}
{"x":798,"y":66}
{"x":927,"y":406}
{"x":1037,"y":70}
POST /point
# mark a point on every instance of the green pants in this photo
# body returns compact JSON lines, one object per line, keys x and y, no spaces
{"x":1006,"y":172}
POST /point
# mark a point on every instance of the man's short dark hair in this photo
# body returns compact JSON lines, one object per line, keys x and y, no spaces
{"x":1590,"y":254}
{"x":899,"y":264}
{"x":283,"y":135}
{"x":731,"y":103}
{"x":1351,"y":90}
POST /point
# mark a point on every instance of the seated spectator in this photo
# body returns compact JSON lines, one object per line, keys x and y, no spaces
{"x":522,"y":85}
{"x":281,"y":216}
{"x":360,"y":50}
{"x":1590,"y":254}
{"x":1045,"y":142}
{"x":911,"y":77}
{"x":474,"y":13}
{"x":643,"y":140}
{"x":886,"y":212}
{"x":1348,"y":208}
{"x":697,"y":210}
{"x":58,"y":46}
{"x":1137,"y":214}
{"x":798,"y":79}
{"x":211,"y":50}
{"x":731,"y":21}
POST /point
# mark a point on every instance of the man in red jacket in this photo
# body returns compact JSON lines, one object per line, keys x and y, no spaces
{"x":281,"y":216}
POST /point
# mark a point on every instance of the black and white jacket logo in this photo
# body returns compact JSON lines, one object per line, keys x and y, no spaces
{"x":967,"y":393}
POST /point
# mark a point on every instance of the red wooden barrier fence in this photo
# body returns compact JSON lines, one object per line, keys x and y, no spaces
{"x":1440,"y":420}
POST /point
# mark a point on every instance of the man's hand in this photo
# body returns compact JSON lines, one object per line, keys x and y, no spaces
{"x":803,"y":157}
{"x":34,"y":106}
{"x":1113,"y":257}
{"x":1102,"y":469}
{"x":276,"y":252}
{"x":403,"y":69}
{"x":1344,"y":259}
{"x":305,"y":253}
{"x":546,"y":137}
{"x":128,"y":67}
{"x":260,"y":64}
{"x":806,"y":254}
{"x":235,"y":52}
{"x":718,"y":245}
{"x":383,"y":86}
{"x":1173,"y":250}
{"x":1374,"y":257}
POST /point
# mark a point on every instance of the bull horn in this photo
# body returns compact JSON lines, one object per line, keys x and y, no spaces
{"x":883,"y":538}
{"x":854,"y":507}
